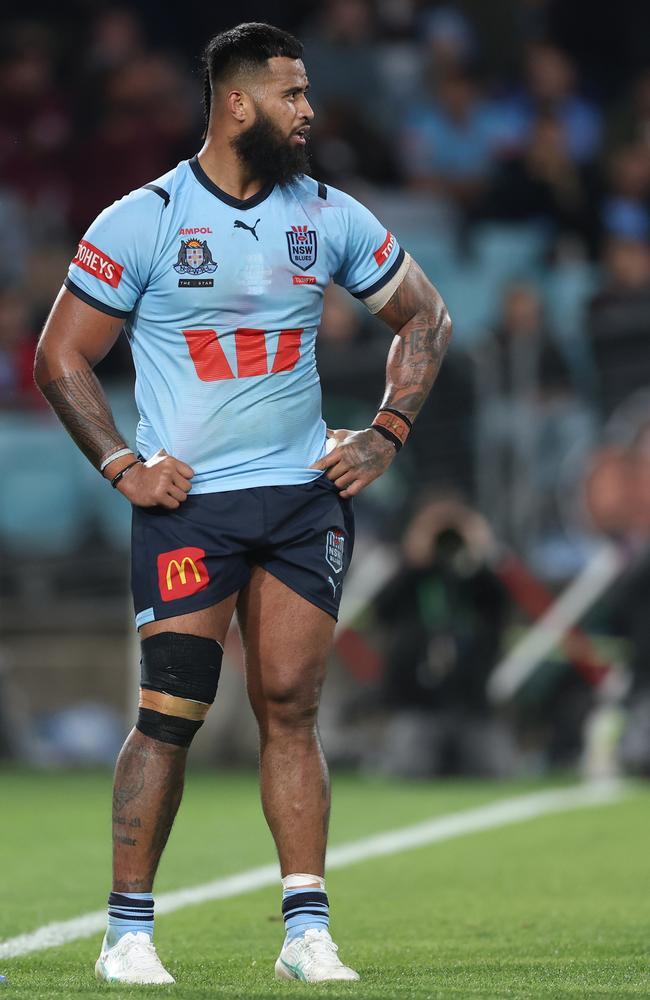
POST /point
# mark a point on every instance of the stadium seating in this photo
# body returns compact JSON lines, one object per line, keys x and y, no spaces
{"x":508,"y":252}
{"x":41,"y":503}
{"x":569,"y":287}
{"x":51,"y":496}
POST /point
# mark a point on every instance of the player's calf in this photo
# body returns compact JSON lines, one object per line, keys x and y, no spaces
{"x":180,"y":674}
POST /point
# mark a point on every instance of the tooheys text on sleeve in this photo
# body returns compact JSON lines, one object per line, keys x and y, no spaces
{"x":98,"y":263}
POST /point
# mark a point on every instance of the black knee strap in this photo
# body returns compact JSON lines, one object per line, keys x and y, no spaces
{"x":184,"y":666}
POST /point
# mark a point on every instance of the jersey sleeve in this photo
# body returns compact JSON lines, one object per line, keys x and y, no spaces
{"x":373,"y":263}
{"x":111,"y":267}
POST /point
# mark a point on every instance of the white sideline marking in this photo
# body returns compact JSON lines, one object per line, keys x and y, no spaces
{"x":431,"y":831}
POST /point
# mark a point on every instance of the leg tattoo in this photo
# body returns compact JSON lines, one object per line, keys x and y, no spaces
{"x":147,"y":792}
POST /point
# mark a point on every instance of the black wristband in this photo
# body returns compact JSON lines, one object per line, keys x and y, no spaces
{"x":115,"y":480}
{"x":402,"y":416}
{"x":394,"y":440}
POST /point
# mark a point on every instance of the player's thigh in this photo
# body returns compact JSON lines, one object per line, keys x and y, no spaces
{"x":286,"y":640}
{"x":209,"y":623}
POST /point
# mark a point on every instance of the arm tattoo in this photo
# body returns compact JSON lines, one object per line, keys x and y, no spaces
{"x":80,"y":404}
{"x":420,"y":319}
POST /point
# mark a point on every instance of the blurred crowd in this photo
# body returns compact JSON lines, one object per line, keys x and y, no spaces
{"x":507,"y":144}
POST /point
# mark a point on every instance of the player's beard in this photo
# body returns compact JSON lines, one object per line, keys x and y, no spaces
{"x":267,"y":154}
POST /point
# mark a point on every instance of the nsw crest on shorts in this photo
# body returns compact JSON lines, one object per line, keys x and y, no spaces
{"x":194,"y":257}
{"x":334,"y":546}
{"x":302,"y":247}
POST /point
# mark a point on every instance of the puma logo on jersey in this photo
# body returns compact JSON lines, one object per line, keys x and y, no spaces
{"x":333,"y":585}
{"x":251,"y":229}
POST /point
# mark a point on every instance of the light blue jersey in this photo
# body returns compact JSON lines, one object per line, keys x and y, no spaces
{"x":222,"y":299}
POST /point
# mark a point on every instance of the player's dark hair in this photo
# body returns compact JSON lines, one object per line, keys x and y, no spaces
{"x":245,"y":47}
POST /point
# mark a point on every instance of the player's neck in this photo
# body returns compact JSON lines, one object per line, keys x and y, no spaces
{"x":224,"y":169}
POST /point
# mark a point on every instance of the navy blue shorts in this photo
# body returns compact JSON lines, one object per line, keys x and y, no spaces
{"x":190,"y":558}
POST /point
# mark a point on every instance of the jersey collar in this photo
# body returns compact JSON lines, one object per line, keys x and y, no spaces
{"x":239,"y":203}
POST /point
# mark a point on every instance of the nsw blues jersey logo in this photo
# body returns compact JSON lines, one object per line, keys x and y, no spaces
{"x":334,"y":547}
{"x":302,"y":247}
{"x":195,"y":257}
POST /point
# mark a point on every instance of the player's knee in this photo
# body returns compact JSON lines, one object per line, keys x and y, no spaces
{"x":180,"y":674}
{"x":292,"y":704}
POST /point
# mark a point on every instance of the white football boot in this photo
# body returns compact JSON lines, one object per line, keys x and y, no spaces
{"x":132,"y":960}
{"x":312,"y":959}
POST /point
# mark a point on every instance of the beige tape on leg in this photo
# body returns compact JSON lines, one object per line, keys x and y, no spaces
{"x":167,"y":704}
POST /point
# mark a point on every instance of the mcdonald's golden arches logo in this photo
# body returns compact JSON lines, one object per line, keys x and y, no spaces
{"x":181,"y":573}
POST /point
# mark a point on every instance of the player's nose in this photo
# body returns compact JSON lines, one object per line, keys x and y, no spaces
{"x":306,"y":111}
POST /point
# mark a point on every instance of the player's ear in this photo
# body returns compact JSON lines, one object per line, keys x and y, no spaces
{"x":238,"y":105}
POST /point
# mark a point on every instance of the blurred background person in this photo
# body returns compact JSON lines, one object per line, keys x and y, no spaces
{"x":550,"y":88}
{"x":442,"y":617}
{"x":617,"y":321}
{"x":533,"y":432}
{"x":17,"y":350}
{"x":545,"y":185}
{"x":625,"y":202}
{"x":447,"y":142}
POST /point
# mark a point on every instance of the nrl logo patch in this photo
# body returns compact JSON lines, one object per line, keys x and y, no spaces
{"x":195,"y":257}
{"x":302,"y":247}
{"x":334,"y":545}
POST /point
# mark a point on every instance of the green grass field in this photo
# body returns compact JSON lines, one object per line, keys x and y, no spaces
{"x":556,"y":906}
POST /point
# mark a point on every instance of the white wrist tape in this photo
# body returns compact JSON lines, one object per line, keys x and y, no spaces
{"x":116,"y":454}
